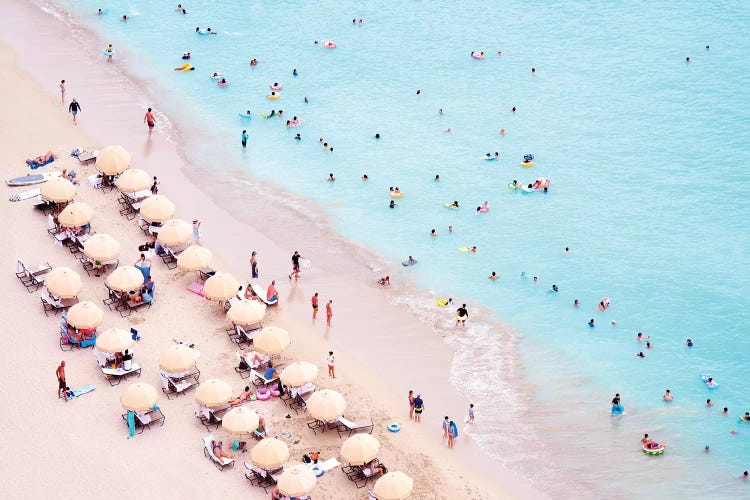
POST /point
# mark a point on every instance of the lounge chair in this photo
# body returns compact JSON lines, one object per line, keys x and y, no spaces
{"x":144,"y":419}
{"x":325,"y":465}
{"x":316,"y":425}
{"x":211,"y":417}
{"x":259,"y":477}
{"x":51,"y":305}
{"x":209,"y":453}
{"x":32,"y":278}
{"x":260,"y":381}
{"x":86,"y":157}
{"x":244,"y":368}
{"x":206,"y":273}
{"x":348,"y":427}
{"x":179,"y":383}
{"x":115,"y":375}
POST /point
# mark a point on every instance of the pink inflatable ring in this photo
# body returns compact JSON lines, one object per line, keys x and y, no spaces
{"x":275,"y":86}
{"x":263,"y":394}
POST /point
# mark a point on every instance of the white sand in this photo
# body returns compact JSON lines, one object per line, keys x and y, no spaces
{"x":80,"y":448}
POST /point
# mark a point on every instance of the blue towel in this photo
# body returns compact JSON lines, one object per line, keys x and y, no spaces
{"x":131,"y":423}
{"x":34,"y":165}
{"x":83,"y":390}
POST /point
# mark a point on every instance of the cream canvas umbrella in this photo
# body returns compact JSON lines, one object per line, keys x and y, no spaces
{"x":297,"y":480}
{"x":63,"y":282}
{"x":177,"y":358}
{"x":113,"y":160}
{"x":213,"y":392}
{"x":139,"y":397}
{"x":240,"y":420}
{"x":125,"y":279}
{"x":360,"y":449}
{"x":114,"y":340}
{"x":245,"y":312}
{"x":174,"y":232}
{"x":157,"y":208}
{"x":269,"y":454}
{"x":132,"y":180}
{"x":326,"y":405}
{"x":271,"y":340}
{"x":393,"y":486}
{"x":85,"y":315}
{"x":298,"y":374}
{"x":58,"y":190}
{"x":220,"y":286}
{"x":194,"y":258}
{"x":76,"y":215}
{"x":101,"y":247}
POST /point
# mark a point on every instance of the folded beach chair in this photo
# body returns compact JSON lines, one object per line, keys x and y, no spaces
{"x":347,"y":426}
{"x":209,"y":453}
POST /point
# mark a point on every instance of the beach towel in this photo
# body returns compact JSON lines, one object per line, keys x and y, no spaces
{"x":34,"y":165}
{"x":196,"y":287}
{"x":454,"y":429}
{"x":80,"y":392}
{"x":131,"y":423}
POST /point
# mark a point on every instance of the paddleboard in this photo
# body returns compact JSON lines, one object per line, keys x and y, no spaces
{"x":26,"y":195}
{"x":28,"y":180}
{"x":245,"y":115}
{"x":464,"y":249}
{"x":304,"y":263}
{"x":448,"y":205}
{"x":488,"y":158}
{"x":511,"y":186}
{"x":407,"y":263}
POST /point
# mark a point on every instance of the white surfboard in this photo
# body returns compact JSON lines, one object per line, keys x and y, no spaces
{"x":28,"y":180}
{"x":26,"y":195}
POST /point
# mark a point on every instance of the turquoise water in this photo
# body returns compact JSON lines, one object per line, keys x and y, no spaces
{"x":645,"y":152}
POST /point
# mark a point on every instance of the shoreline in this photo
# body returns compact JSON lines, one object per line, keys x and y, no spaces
{"x":414,"y":333}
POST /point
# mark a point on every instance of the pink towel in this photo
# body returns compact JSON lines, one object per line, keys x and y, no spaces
{"x":196,"y":287}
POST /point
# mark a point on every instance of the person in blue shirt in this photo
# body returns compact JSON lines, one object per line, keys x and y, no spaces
{"x":418,"y":408}
{"x":270,"y":371}
{"x":244,"y":138}
{"x":146,"y":296}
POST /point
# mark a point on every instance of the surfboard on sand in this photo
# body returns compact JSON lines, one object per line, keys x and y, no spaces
{"x":26,"y":195}
{"x":28,"y":180}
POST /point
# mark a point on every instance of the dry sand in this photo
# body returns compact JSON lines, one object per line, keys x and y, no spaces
{"x":80,"y":448}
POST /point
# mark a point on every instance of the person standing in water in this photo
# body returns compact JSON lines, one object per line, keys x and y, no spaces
{"x":74,"y":108}
{"x":149,"y":120}
{"x":253,"y":265}
{"x":244,"y":138}
{"x":62,"y":91}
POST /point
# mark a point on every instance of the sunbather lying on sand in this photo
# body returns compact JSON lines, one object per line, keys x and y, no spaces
{"x":49,"y":155}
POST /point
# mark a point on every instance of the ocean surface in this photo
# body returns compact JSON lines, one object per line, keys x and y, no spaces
{"x":646,"y":154}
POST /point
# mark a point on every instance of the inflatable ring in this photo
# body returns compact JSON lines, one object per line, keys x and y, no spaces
{"x":217,"y":76}
{"x":317,"y":471}
{"x":273,"y":96}
{"x":263,"y":394}
{"x":617,"y":409}
{"x":275,"y":393}
{"x":329,"y":45}
{"x":397,"y":195}
{"x":477,"y":55}
{"x":527,"y":164}
{"x":275,"y":86}
{"x":222,"y":84}
{"x":442,"y":303}
{"x":654,"y":451}
{"x":109,"y":53}
{"x":394,"y":427}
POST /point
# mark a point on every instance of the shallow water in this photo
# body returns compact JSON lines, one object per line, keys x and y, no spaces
{"x":645,"y":153}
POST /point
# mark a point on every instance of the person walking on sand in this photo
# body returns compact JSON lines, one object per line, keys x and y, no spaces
{"x":411,"y":405}
{"x":314,"y":302}
{"x":446,"y":424}
{"x":329,"y":312}
{"x":149,"y":120}
{"x":295,"y":265}
{"x":452,"y":432}
{"x":62,"y":91}
{"x":418,"y":408}
{"x":254,"y":265}
{"x":197,"y":231}
{"x":60,"y":374}
{"x":329,"y":361}
{"x":471,"y":413}
{"x":155,"y":186}
{"x":244,"y":138}
{"x":73,"y":109}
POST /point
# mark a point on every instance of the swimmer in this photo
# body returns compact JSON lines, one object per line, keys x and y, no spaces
{"x":746,"y":417}
{"x":687,"y":59}
{"x":377,"y":136}
{"x":331,"y":178}
{"x":294,"y":72}
{"x":646,"y":440}
{"x":689,"y":343}
{"x":412,"y":261}
{"x":536,"y":279}
{"x":499,"y":52}
{"x":454,"y":204}
{"x":186,"y":55}
{"x":433,"y":233}
{"x":502,"y":131}
{"x":419,"y":92}
{"x":397,"y":190}
{"x":447,"y":131}
{"x":306,"y":99}
{"x":640,"y":337}
{"x":668,"y":395}
{"x":254,"y":62}
{"x":709,"y":402}
{"x":515,"y":183}
{"x":641,"y":355}
{"x":360,"y":22}
{"x":575,"y":303}
{"x":513,"y":109}
{"x":493,"y":276}
{"x":223,"y":80}
{"x":179,"y":6}
{"x":297,"y":137}
{"x":325,"y":146}
{"x":437,"y":178}
{"x":707,"y":47}
{"x":487,"y":155}
{"x":567,"y":249}
{"x":591,"y":323}
{"x":533,"y":71}
{"x":744,"y":475}
{"x":554,"y":288}
{"x":450,"y":229}
{"x":124,"y":18}
{"x":99,"y":13}
{"x":392,"y":204}
{"x":473,"y":250}
{"x":440,"y":111}
{"x":648,"y":345}
{"x":614,"y":323}
{"x":725,"y":411}
{"x":364,"y":177}
{"x":497,"y":155}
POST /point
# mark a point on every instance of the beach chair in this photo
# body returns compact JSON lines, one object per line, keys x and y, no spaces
{"x":51,"y":305}
{"x":297,"y":398}
{"x":258,"y":477}
{"x":170,"y":257}
{"x":348,"y":427}
{"x":144,"y":419}
{"x":179,"y":384}
{"x":32,"y":278}
{"x":115,"y":375}
{"x":86,"y":157}
{"x":315,"y":425}
{"x":206,"y":273}
{"x":209,"y":453}
{"x":260,"y":381}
